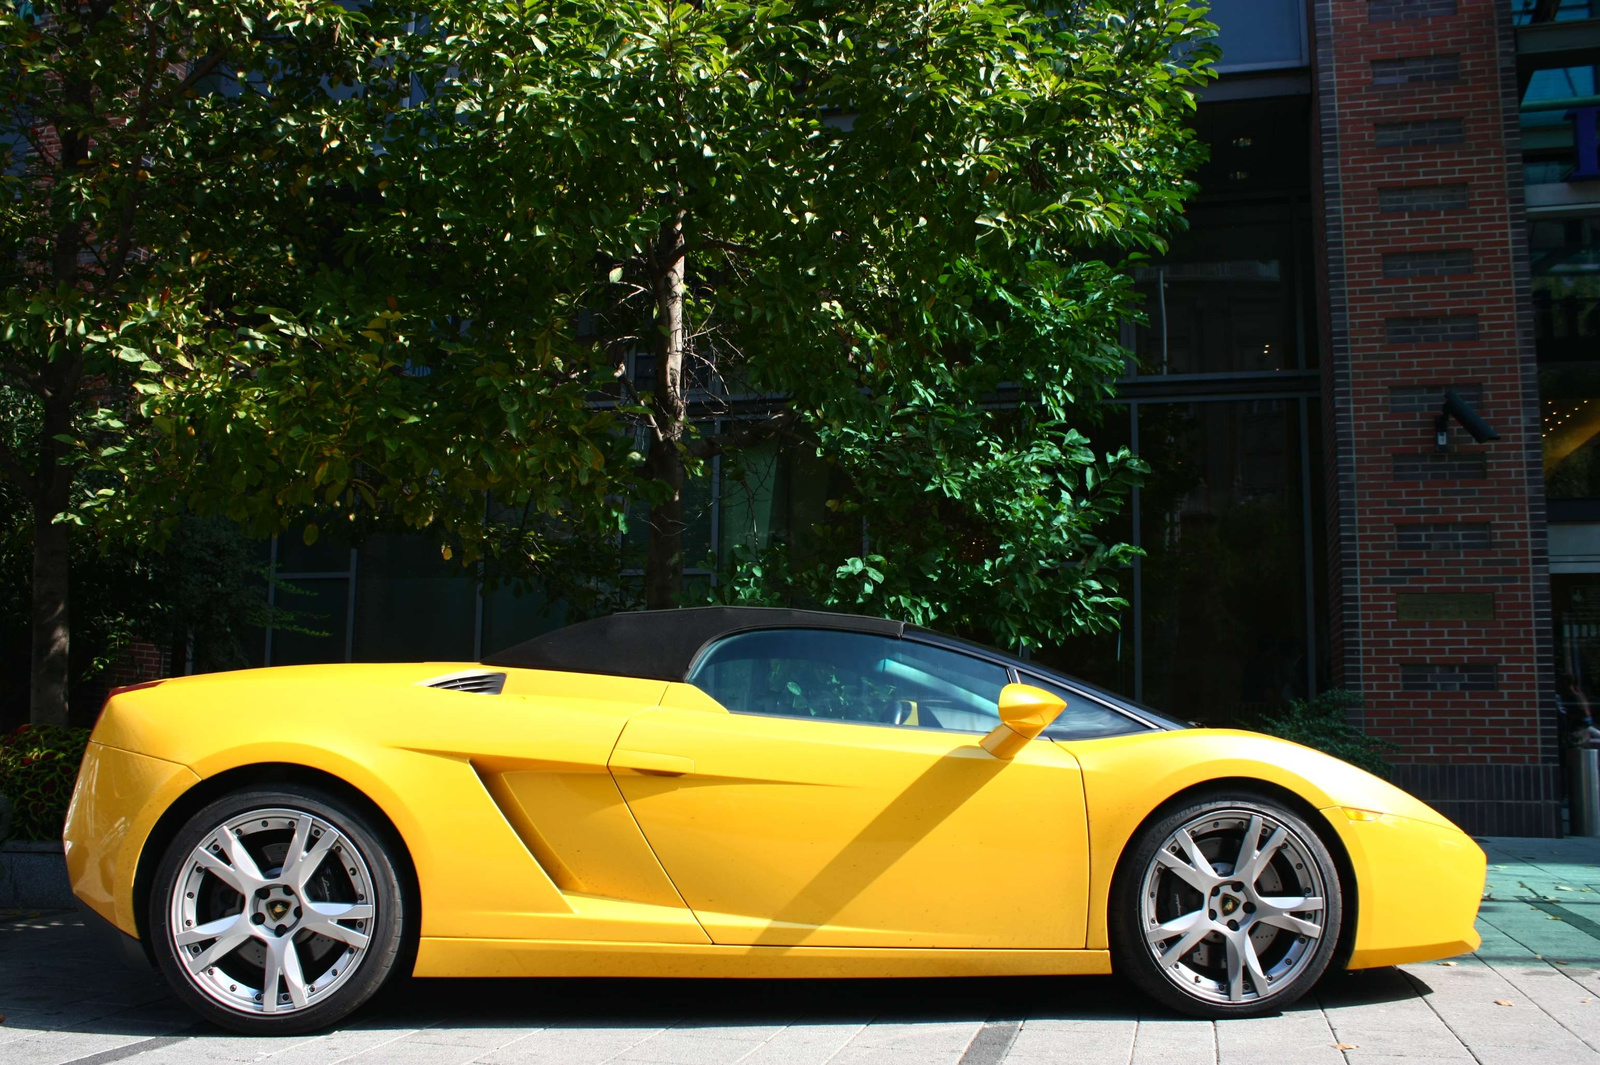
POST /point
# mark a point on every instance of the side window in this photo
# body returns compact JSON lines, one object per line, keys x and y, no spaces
{"x":1083,"y":718}
{"x":848,"y":676}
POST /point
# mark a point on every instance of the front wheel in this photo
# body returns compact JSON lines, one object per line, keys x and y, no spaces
{"x":1227,"y":907}
{"x":276,"y":911}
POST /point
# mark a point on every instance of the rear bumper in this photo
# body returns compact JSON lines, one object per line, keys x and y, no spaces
{"x":1419,"y":886}
{"x":118,"y":800}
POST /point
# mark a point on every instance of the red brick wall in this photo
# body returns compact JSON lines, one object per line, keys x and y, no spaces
{"x":140,"y":662}
{"x":1425,"y":277}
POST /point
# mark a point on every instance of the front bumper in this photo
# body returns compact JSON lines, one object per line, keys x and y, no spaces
{"x":1419,"y":886}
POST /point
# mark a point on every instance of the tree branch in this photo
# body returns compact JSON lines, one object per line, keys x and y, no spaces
{"x":193,"y":78}
{"x":733,"y":247}
{"x":745,"y":434}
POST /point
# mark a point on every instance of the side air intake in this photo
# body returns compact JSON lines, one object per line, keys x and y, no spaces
{"x":471,"y":681}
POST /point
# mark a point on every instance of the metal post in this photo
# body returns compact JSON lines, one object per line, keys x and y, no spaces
{"x":1583,"y":790}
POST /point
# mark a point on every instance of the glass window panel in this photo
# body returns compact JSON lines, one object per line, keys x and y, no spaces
{"x":844,"y":676}
{"x":777,"y":492}
{"x":411,"y":604}
{"x":1223,"y":301}
{"x":751,"y":497}
{"x":1526,"y":11}
{"x":512,"y":614}
{"x":1576,"y":601}
{"x":321,"y":605}
{"x":1565,"y":263}
{"x":1223,"y":578}
{"x":1083,"y":718}
{"x":330,"y":554}
{"x":1259,"y":34}
{"x":696,"y":524}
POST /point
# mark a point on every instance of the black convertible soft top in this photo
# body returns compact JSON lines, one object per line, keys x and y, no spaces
{"x":663,"y":644}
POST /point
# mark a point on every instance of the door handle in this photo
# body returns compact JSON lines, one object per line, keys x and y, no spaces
{"x":664,"y":765}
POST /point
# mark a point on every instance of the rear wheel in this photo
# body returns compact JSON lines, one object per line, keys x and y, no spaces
{"x":1227,"y":907}
{"x":276,"y":911}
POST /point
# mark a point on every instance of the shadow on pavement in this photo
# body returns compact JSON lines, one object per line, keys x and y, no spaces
{"x":53,"y":976}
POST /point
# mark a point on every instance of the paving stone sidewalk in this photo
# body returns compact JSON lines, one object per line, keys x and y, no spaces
{"x":1530,"y":996}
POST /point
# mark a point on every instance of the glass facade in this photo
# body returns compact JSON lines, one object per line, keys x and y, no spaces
{"x":1260,"y":34}
{"x":1224,"y":591}
{"x":1222,"y":401}
{"x":1560,"y":108}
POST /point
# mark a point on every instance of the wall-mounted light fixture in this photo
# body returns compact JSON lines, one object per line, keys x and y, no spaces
{"x":1456,"y":407}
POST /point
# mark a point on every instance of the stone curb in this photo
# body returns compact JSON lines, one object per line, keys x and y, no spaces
{"x":33,"y":875}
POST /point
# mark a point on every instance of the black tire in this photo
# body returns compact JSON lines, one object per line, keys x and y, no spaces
{"x":1237,"y":922}
{"x":364,"y":884}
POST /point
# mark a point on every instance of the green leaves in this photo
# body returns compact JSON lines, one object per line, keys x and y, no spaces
{"x":370,"y":271}
{"x":1323,"y":723}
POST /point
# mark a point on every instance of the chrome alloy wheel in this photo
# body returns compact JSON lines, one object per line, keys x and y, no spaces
{"x":1233,"y":906}
{"x":272,"y":911}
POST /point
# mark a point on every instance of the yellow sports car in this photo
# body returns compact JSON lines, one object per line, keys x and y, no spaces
{"x":734,"y":791}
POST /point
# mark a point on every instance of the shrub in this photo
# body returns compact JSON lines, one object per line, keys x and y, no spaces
{"x":1322,"y":722}
{"x":38,"y":767}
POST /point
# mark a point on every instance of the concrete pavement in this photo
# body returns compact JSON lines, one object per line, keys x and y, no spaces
{"x":1530,"y":996}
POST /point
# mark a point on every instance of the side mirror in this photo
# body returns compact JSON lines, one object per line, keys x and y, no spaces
{"x":1025,"y":711}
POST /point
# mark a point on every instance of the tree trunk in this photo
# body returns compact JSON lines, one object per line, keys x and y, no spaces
{"x":51,"y":635}
{"x":52,"y":492}
{"x":663,"y":565}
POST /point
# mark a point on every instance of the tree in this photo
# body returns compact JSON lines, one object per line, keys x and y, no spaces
{"x":196,"y":320}
{"x":911,"y":222}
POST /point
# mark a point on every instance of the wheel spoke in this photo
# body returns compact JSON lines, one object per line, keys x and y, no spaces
{"x":226,"y":944}
{"x":1196,"y":871}
{"x":1235,"y":955}
{"x":228,"y":874}
{"x":1190,"y":940}
{"x":1296,"y":904}
{"x":1259,"y":861}
{"x":234,"y":922}
{"x":301,"y":864}
{"x":1197,"y":857}
{"x":239,"y":856}
{"x":271,"y":970}
{"x":1248,"y":847}
{"x":293,"y":978}
{"x":1252,"y":963}
{"x":323,"y":918}
{"x":1175,"y":927}
{"x":1293,"y":924}
{"x":297,"y":845}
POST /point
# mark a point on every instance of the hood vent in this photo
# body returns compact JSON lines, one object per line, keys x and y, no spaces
{"x":473,"y":680}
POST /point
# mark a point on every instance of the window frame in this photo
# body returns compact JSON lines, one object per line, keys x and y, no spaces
{"x":1014,"y":675}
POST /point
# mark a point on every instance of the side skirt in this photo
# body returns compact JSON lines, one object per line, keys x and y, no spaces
{"x":440,"y":957}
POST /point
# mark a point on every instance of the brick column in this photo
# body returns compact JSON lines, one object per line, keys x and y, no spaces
{"x":1439,"y":589}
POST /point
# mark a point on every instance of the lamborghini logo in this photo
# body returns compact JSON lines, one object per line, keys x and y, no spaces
{"x":276,"y":909}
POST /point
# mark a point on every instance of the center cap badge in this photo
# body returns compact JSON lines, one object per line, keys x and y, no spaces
{"x":276,"y":909}
{"x":1229,"y":904}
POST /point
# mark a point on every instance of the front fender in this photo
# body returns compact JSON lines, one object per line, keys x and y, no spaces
{"x":1127,"y":778}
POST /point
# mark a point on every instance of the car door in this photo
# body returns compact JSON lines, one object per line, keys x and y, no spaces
{"x":802,"y":789}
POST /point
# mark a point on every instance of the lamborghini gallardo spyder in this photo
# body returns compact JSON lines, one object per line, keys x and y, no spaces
{"x":734,"y":792}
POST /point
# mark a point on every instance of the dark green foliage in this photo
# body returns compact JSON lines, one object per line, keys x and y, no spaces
{"x":914,"y":223}
{"x":371,"y":268}
{"x":38,"y":767}
{"x":201,"y":599}
{"x":1323,"y":723}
